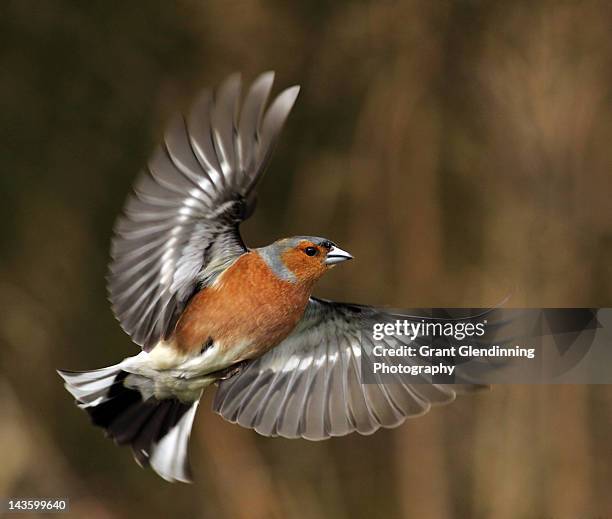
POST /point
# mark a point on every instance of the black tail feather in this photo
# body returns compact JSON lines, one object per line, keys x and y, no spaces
{"x":144,"y":424}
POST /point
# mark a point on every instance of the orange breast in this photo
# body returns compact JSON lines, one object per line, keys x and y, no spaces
{"x":248,"y":303}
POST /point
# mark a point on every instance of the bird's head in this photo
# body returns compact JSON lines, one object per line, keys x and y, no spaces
{"x":303,"y":258}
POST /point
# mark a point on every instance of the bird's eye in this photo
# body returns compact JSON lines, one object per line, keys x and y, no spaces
{"x":311,"y":251}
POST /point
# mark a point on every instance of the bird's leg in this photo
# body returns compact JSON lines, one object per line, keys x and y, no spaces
{"x":230,"y":371}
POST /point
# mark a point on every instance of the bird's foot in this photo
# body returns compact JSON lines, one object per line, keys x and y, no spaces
{"x":230,"y":371}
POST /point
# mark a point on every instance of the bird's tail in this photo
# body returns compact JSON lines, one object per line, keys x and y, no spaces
{"x":124,"y":406}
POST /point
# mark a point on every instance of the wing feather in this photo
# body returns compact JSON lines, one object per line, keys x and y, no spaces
{"x":224,"y":123}
{"x":250,"y":122}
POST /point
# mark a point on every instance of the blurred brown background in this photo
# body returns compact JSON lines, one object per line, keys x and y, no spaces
{"x":461,"y":150}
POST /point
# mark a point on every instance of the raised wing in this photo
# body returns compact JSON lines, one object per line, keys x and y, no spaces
{"x":310,"y":385}
{"x":180,"y":226}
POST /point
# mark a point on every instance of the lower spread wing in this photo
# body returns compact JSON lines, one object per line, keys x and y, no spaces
{"x":180,"y":226}
{"x":310,"y":385}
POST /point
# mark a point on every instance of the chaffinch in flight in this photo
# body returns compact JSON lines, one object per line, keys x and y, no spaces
{"x":207,"y":309}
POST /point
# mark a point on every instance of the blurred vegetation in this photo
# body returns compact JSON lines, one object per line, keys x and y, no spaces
{"x":461,"y":150}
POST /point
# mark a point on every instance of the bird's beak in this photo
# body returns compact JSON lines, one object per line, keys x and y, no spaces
{"x":337,"y":255}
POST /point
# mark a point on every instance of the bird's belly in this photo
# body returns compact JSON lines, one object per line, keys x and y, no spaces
{"x":221,"y":341}
{"x":233,"y":341}
{"x":165,"y":357}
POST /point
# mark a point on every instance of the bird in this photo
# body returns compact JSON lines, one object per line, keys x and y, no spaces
{"x":207,"y":310}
